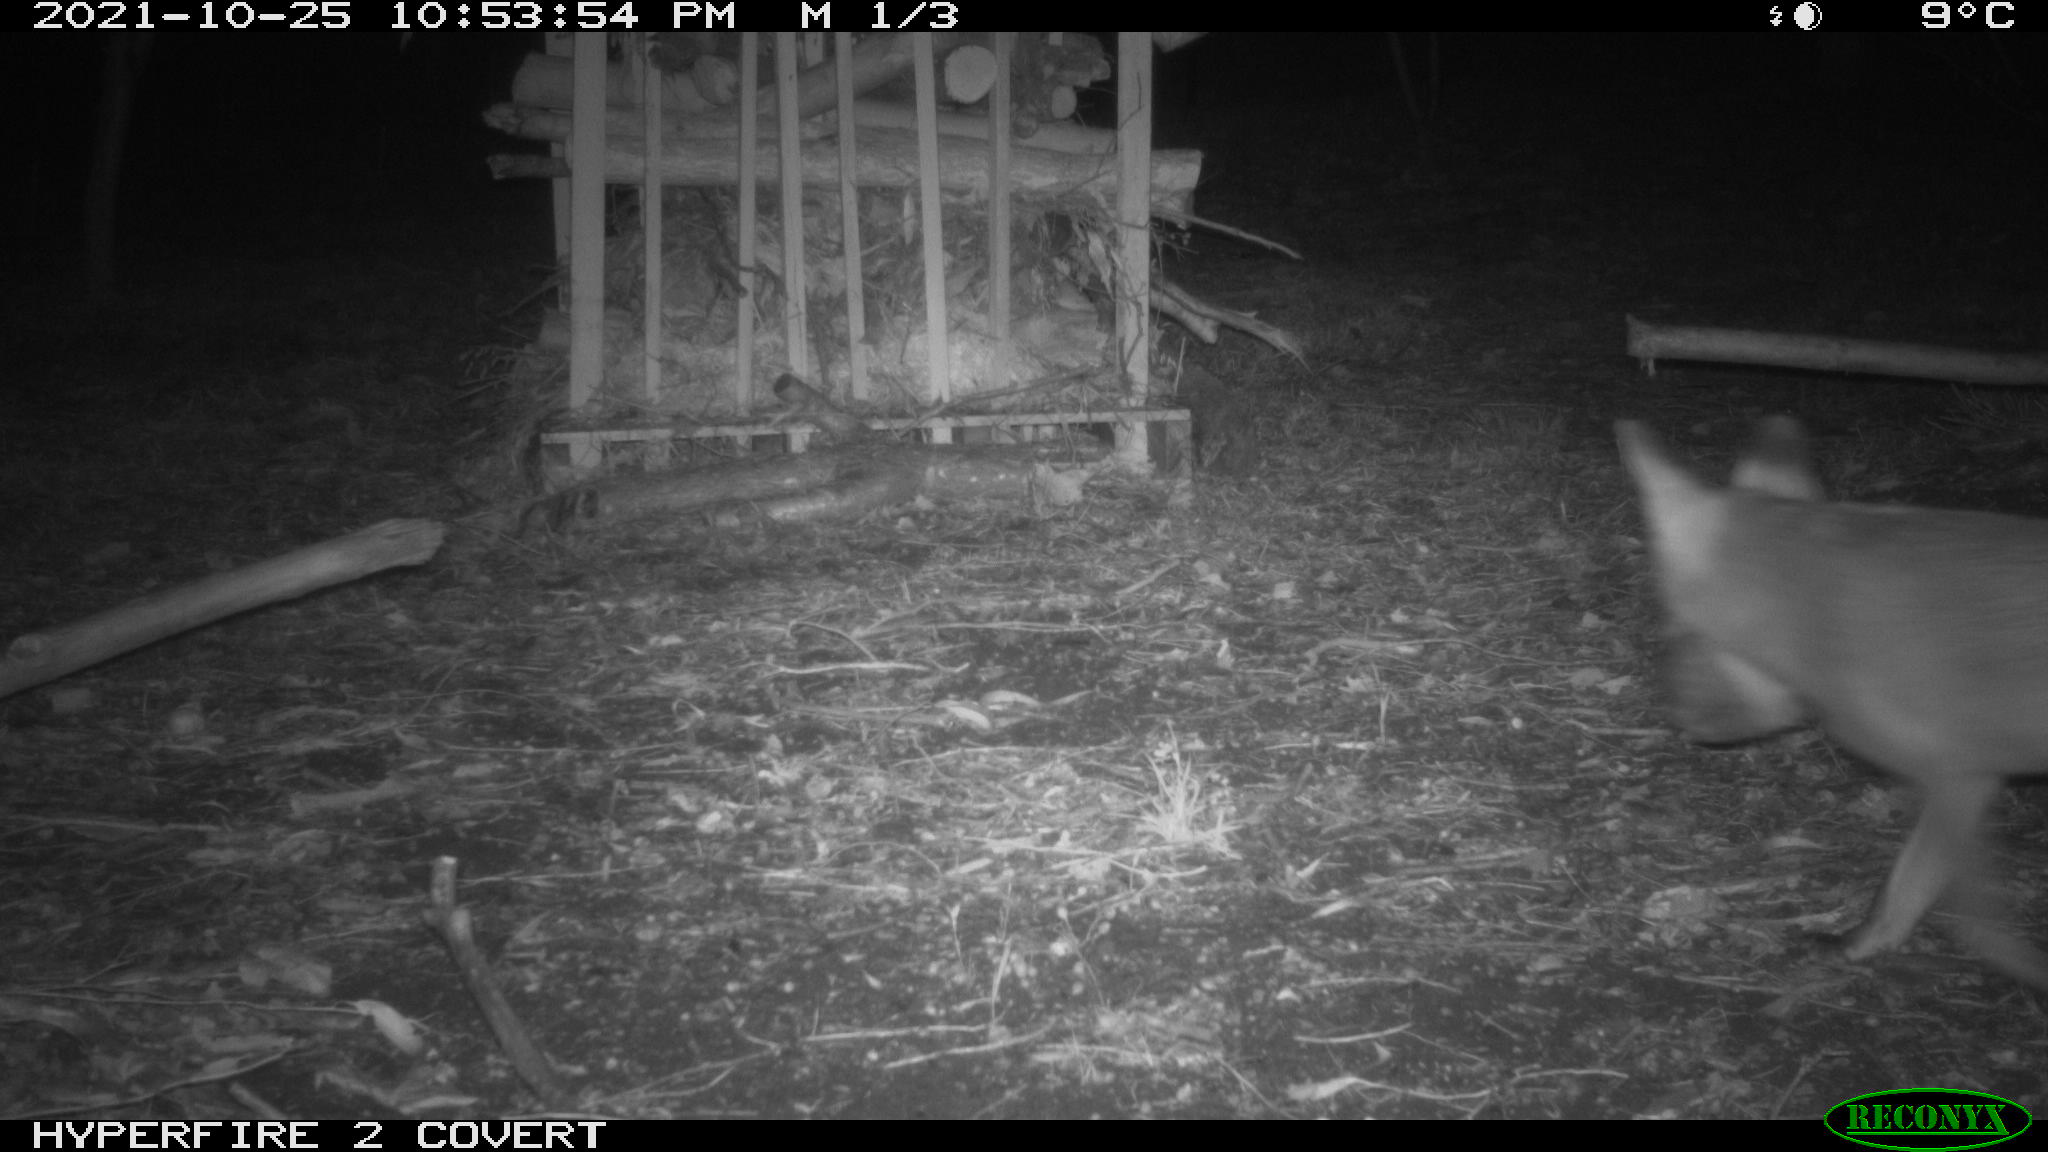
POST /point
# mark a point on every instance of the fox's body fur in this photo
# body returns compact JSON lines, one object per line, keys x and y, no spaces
{"x":1918,"y":638}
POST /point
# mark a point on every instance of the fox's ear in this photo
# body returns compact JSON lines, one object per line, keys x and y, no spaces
{"x":1686,"y":518}
{"x":1648,"y":463}
{"x":1776,"y":462}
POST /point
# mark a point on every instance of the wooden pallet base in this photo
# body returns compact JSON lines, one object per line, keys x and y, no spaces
{"x":1157,"y":435}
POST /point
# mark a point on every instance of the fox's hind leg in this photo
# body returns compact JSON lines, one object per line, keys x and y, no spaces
{"x":1942,"y":853}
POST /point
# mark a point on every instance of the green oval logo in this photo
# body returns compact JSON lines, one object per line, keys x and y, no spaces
{"x":1921,"y":1119}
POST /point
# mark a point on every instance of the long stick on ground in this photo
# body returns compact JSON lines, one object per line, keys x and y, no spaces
{"x":40,"y":656}
{"x":1653,"y":342}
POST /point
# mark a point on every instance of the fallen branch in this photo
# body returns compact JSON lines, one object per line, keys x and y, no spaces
{"x":1202,"y":317}
{"x":1652,"y":342}
{"x":842,"y":482}
{"x":41,"y":656}
{"x":452,"y":921}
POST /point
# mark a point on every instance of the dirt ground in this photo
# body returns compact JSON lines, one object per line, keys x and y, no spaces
{"x":1342,"y":789}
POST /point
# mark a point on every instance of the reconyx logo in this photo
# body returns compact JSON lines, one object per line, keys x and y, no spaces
{"x":1921,"y":1119}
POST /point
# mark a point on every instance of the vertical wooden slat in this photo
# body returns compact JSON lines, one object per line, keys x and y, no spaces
{"x":561,"y":44}
{"x":999,"y":211}
{"x":849,"y":224}
{"x":789,"y":149}
{"x":650,"y":223}
{"x":586,"y":223}
{"x":750,"y":140}
{"x":937,"y":359}
{"x":1134,"y":229}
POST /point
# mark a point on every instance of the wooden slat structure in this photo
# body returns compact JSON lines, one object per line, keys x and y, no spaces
{"x":593,"y":157}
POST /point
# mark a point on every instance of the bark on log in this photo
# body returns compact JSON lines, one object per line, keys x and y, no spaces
{"x":837,"y":483}
{"x":1056,"y":136}
{"x":529,"y":122}
{"x":1652,"y":342}
{"x":41,"y":656}
{"x":888,"y":159}
{"x":547,"y":80}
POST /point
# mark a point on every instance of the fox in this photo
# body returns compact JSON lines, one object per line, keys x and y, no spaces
{"x":1916,"y":637}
